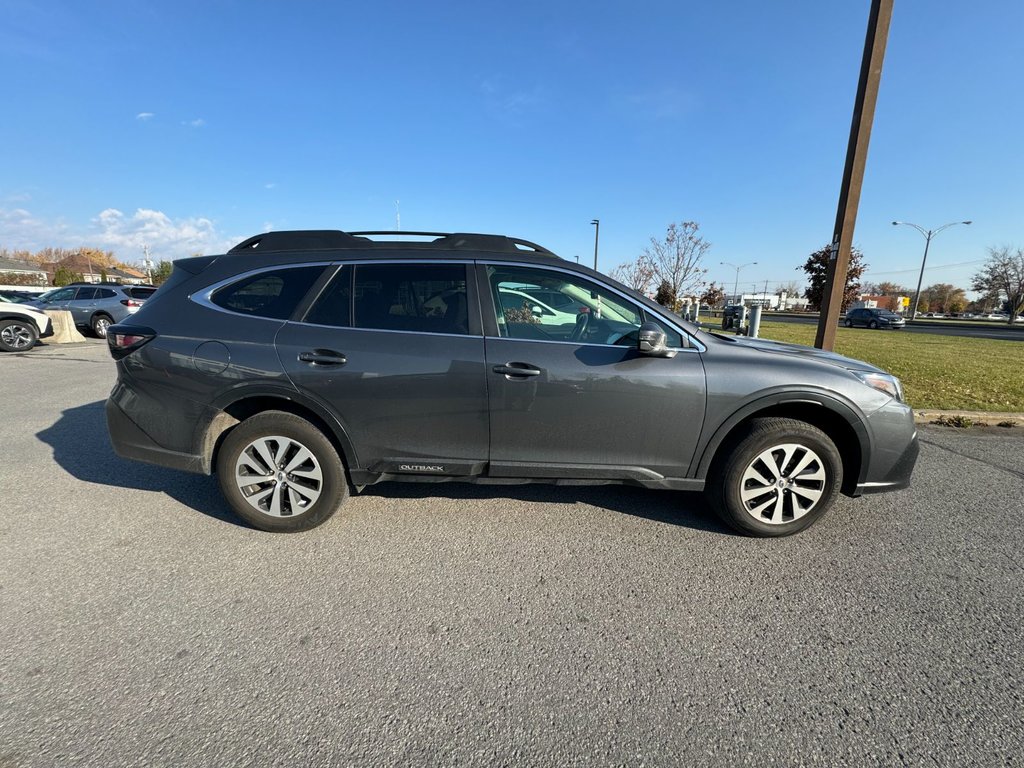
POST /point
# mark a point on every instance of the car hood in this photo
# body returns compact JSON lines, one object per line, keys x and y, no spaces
{"x":802,"y":352}
{"x":22,"y":309}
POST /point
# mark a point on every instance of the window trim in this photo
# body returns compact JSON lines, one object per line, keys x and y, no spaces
{"x":491,"y":323}
{"x":204,"y":296}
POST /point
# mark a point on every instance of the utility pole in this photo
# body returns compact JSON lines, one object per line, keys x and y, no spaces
{"x":853,"y":172}
{"x":398,"y":216}
{"x":597,"y":233}
{"x":148,"y":263}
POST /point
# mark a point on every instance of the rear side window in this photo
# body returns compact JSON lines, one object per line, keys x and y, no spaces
{"x":273,"y":294}
{"x":85,"y":294}
{"x":105,"y":293}
{"x":140,"y":293}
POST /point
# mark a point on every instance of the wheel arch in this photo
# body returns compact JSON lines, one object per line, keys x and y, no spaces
{"x":234,"y":410}
{"x":843,"y":425}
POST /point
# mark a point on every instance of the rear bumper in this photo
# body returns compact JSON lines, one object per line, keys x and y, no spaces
{"x":131,"y":442}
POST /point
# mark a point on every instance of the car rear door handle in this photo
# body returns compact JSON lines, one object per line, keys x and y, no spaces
{"x":517,"y":369}
{"x":323,"y":357}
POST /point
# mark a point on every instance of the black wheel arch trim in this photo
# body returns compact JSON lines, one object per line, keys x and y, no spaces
{"x":204,"y":440}
{"x":852,"y":415}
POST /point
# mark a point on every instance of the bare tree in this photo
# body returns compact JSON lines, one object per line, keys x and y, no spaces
{"x":637,"y":274}
{"x":791,"y":288}
{"x":1004,"y":272}
{"x":676,"y":259}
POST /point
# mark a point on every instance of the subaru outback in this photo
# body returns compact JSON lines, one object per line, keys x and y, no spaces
{"x":303,"y":366}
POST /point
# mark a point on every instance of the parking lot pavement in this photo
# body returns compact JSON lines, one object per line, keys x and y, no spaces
{"x":140,"y":624}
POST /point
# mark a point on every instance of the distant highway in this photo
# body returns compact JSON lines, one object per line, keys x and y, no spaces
{"x":980,"y":331}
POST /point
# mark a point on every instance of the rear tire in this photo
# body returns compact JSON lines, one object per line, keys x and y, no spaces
{"x":873,"y":325}
{"x":848,"y":323}
{"x":280,"y":473}
{"x":17,"y":335}
{"x":99,"y":325}
{"x":777,"y":477}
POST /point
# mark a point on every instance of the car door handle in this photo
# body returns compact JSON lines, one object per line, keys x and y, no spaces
{"x":323,"y":357}
{"x":517,"y":369}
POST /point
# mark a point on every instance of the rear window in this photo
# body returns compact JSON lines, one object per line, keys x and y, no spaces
{"x":274,"y":294}
{"x":140,"y":293}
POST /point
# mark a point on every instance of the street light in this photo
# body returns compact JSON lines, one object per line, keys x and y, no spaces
{"x":597,"y":232}
{"x":928,"y":235}
{"x":736,"y":285}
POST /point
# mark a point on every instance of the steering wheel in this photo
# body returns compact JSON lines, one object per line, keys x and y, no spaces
{"x":582,"y":321}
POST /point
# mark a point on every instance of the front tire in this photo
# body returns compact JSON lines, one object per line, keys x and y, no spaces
{"x":17,"y":335}
{"x":873,"y":325}
{"x":280,"y":473}
{"x":776,"y":478}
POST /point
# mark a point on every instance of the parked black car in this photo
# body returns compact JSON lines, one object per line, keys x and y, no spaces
{"x":873,"y":318}
{"x":303,"y":364}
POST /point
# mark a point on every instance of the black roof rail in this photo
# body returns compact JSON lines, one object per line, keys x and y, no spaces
{"x":297,"y":240}
{"x":466,"y":240}
{"x":314,"y":239}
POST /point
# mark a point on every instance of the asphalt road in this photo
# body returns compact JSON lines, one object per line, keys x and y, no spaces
{"x":140,"y":624}
{"x":981,"y":331}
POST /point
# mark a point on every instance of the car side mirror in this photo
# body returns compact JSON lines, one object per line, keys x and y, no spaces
{"x":651,"y":341}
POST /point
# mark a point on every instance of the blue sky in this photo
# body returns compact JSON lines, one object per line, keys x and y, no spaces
{"x":190,"y":125}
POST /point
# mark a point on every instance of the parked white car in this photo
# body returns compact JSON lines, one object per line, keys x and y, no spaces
{"x":22,"y":326}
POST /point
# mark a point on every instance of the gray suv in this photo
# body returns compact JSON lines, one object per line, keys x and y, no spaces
{"x":96,"y":306}
{"x":301,"y":365}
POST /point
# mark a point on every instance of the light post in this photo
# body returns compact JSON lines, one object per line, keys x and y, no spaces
{"x":928,"y":235}
{"x":597,"y":233}
{"x":736,"y":285}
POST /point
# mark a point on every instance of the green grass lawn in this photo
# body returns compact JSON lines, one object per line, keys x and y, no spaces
{"x":943,"y":372}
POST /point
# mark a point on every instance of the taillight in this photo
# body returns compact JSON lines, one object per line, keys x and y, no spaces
{"x":122,"y":340}
{"x":131,"y":303}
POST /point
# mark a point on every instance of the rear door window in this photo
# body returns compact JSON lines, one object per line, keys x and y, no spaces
{"x":417,"y":298}
{"x":140,"y":294}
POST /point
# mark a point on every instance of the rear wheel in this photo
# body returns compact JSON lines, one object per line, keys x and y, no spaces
{"x":280,"y":473}
{"x":776,"y":478}
{"x":17,"y":335}
{"x":873,"y":325}
{"x":848,"y":323}
{"x":99,"y":325}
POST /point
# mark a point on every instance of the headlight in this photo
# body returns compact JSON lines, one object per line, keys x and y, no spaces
{"x":883,"y":382}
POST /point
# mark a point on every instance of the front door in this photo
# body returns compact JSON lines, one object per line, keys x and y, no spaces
{"x":577,"y":399}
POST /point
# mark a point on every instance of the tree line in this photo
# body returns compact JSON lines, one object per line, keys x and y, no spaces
{"x":671,"y":268}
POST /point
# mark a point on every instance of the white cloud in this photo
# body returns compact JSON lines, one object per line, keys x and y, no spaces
{"x":270,"y":185}
{"x":144,"y":116}
{"x":166,"y":237}
{"x":111,"y":229}
{"x":19,"y":229}
{"x":197,"y":123}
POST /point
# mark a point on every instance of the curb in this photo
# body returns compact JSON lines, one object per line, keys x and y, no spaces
{"x":987,"y":418}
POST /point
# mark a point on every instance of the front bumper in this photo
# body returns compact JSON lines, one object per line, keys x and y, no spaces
{"x":894,"y":450}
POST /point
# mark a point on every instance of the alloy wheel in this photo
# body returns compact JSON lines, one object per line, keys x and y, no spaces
{"x":278,"y":476}
{"x":17,"y":336}
{"x":783,"y":483}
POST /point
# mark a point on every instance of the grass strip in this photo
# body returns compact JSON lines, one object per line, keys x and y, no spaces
{"x":940,"y":372}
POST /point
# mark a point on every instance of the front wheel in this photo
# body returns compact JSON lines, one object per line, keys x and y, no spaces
{"x":873,"y":325}
{"x":778,"y":477}
{"x":17,"y":335}
{"x":280,"y":473}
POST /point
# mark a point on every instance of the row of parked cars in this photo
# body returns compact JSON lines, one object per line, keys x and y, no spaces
{"x":94,"y":307}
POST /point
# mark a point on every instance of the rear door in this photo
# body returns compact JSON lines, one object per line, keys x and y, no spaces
{"x":81,"y":305}
{"x":396,"y":352}
{"x":579,"y":400}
